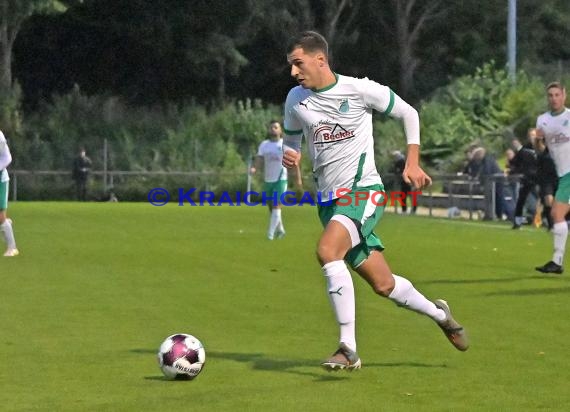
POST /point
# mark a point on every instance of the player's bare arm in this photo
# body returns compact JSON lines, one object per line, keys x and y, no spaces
{"x":298,"y":177}
{"x":257,"y":164}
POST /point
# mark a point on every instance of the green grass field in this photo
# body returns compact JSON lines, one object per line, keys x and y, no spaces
{"x":98,"y":286}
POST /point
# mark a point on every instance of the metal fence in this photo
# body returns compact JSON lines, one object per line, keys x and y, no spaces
{"x":449,"y":192}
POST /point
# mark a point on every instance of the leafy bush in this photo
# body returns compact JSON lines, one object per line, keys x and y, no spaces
{"x":486,"y":107}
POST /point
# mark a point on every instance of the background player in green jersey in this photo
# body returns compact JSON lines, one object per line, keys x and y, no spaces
{"x":5,"y":223}
{"x":270,"y":157}
{"x":554,"y":127}
{"x":334,"y":114}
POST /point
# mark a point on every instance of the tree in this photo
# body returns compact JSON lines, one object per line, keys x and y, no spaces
{"x":12,"y":14}
{"x":408,"y":21}
{"x":335,"y":20}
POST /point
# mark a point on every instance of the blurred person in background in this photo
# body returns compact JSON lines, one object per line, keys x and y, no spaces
{"x":553,"y":127}
{"x":80,"y":174}
{"x":270,"y":157}
{"x":523,"y":164}
{"x":6,"y":223}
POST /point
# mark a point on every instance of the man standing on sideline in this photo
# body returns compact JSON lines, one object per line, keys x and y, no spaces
{"x":80,"y":174}
{"x":5,"y":222}
{"x":405,"y":187}
{"x":270,"y":157}
{"x":546,"y":178}
{"x":524,"y":164}
{"x":334,"y":113}
{"x":554,"y":127}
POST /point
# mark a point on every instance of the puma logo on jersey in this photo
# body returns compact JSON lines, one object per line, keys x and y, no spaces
{"x":305,"y":105}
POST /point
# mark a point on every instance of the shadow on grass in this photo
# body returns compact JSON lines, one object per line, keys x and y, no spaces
{"x":484,"y":280}
{"x":406,"y":365}
{"x":530,"y":292}
{"x":260,"y":362}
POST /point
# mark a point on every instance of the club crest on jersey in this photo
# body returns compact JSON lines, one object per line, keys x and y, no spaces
{"x":343,"y":106}
{"x":565,"y":124}
{"x":327,"y":134}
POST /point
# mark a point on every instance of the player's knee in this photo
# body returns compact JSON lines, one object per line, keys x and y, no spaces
{"x":383,"y":288}
{"x":558,"y":215}
{"x":327,"y":252}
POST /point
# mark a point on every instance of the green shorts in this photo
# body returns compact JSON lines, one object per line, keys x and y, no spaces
{"x":365,"y":213}
{"x":4,"y":186}
{"x":563,"y":192}
{"x":275,"y":190}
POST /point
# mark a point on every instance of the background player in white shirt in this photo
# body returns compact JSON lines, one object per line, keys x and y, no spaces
{"x":334,"y":113}
{"x":554,"y":127}
{"x":270,"y":157}
{"x":5,"y":223}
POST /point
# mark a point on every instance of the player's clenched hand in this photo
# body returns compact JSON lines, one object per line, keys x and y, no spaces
{"x":415,"y":176}
{"x":291,"y":158}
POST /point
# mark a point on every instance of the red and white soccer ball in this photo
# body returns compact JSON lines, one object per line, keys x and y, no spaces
{"x":181,"y":356}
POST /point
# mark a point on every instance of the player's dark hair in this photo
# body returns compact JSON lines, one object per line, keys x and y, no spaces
{"x":557,"y":85}
{"x":309,"y":41}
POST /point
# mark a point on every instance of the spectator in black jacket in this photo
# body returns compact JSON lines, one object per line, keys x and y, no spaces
{"x":80,"y":174}
{"x":546,"y":178}
{"x":489,"y":172}
{"x":405,"y":188}
{"x":523,"y":164}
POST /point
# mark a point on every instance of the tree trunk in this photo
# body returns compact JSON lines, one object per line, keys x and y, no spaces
{"x":405,"y":46}
{"x":221,"y":81}
{"x":408,"y":28}
{"x":5,"y":57}
{"x":335,"y":27}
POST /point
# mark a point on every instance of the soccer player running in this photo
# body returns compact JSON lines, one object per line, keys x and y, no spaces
{"x":334,"y":113}
{"x":554,"y":127}
{"x":5,"y":223}
{"x":270,"y":157}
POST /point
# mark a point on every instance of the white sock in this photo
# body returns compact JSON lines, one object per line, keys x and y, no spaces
{"x":274,"y":221}
{"x":404,"y":294}
{"x":560,"y":232}
{"x":341,"y":295}
{"x":6,"y":228}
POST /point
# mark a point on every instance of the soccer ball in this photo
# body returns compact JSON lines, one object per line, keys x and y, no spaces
{"x":181,"y":356}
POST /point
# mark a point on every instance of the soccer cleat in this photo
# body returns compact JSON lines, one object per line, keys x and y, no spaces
{"x":11,"y":252}
{"x":451,"y":328}
{"x":550,"y":267}
{"x":279,"y":234}
{"x":343,"y":358}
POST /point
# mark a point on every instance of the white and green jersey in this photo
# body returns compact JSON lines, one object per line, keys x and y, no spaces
{"x":5,"y":158}
{"x":272,"y":153}
{"x":337,"y":124}
{"x":556,"y":128}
